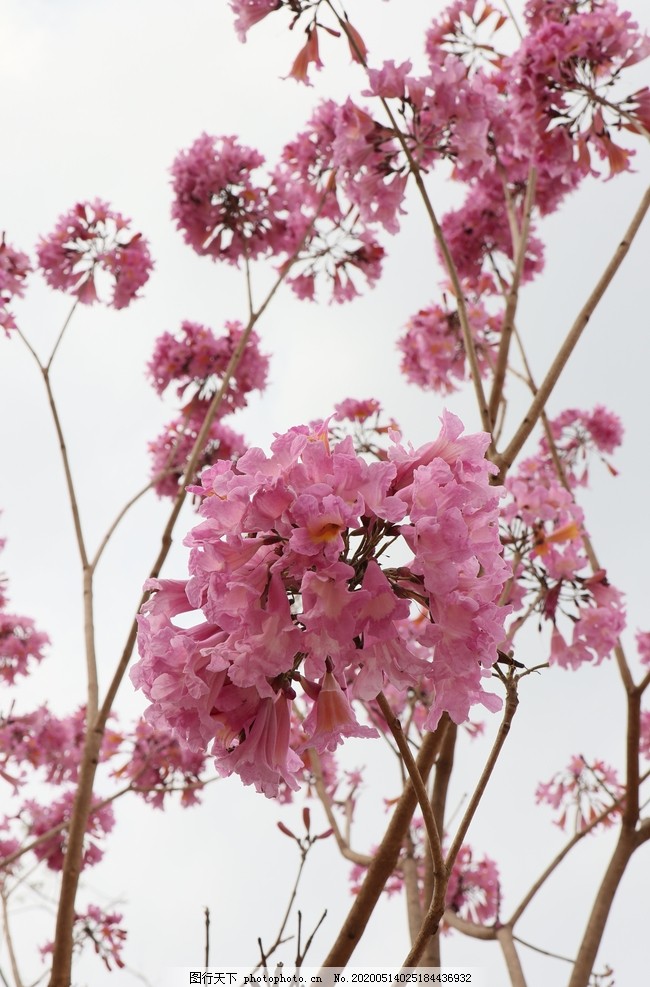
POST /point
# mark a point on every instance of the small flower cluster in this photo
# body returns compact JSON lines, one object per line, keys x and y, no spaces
{"x":474,"y":889}
{"x":157,"y":765}
{"x":89,"y":239}
{"x":53,"y":819}
{"x":21,"y":645}
{"x":285,"y":578}
{"x":543,"y":536}
{"x":433,"y":350}
{"x":14,"y":268}
{"x":583,"y":792}
{"x":196,"y":362}
{"x":104,"y":931}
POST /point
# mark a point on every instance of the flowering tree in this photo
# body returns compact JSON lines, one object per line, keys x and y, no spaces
{"x":343,"y":583}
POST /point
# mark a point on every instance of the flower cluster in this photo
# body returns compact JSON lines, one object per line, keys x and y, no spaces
{"x":474,"y":888}
{"x":158,"y":765}
{"x":197,"y":362}
{"x":433,"y":350}
{"x":583,"y":792}
{"x":103,"y":929}
{"x":14,"y":268}
{"x":41,"y":740}
{"x":171,"y":450}
{"x":40,"y":820}
{"x":291,"y":599}
{"x":89,"y":239}
{"x":543,"y":534}
{"x":20,"y":646}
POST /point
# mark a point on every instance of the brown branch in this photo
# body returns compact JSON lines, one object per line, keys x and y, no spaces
{"x":385,"y":859}
{"x":506,"y":459}
{"x":433,"y":834}
{"x":593,"y":934}
{"x":444,"y":767}
{"x":342,"y":843}
{"x":519,"y":251}
{"x":508,"y":713}
{"x":511,"y":957}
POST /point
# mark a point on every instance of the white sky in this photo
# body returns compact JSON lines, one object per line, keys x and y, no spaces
{"x":99,"y":97}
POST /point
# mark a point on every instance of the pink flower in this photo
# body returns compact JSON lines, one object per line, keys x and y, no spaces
{"x":262,"y":757}
{"x":14,"y":268}
{"x":583,"y":790}
{"x":220,"y":211}
{"x":355,"y":410}
{"x":92,"y":238}
{"x":170,"y":451}
{"x":39,"y":819}
{"x":20,"y":646}
{"x":331,"y":718}
{"x":287,"y":579}
{"x":250,"y":12}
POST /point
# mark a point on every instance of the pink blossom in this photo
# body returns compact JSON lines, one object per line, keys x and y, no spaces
{"x":356,"y":410}
{"x":474,"y":889}
{"x":582,"y":791}
{"x":217,"y":206}
{"x":643,"y":644}
{"x":103,"y":929}
{"x":331,"y":718}
{"x":20,"y":646}
{"x":39,"y":819}
{"x":14,"y":268}
{"x":198,"y":360}
{"x":433,"y":347}
{"x":287,"y":598}
{"x":158,"y":764}
{"x":170,"y":451}
{"x":92,"y":238}
{"x":250,"y":12}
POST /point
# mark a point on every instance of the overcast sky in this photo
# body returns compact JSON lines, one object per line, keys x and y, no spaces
{"x":98,"y":99}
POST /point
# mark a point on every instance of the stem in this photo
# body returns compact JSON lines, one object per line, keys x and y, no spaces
{"x":511,"y":956}
{"x":342,"y":843}
{"x":444,"y":767}
{"x":13,"y":962}
{"x":433,"y":834}
{"x":506,"y":459}
{"x":519,"y":250}
{"x":60,"y":336}
{"x":385,"y":859}
{"x":586,"y":957}
{"x":504,"y":729}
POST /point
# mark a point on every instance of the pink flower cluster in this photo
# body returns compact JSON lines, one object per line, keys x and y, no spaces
{"x":90,"y":239}
{"x":313,"y":211}
{"x":20,"y":646}
{"x":433,"y":350}
{"x":197,"y":362}
{"x":41,"y":740}
{"x":171,"y":450}
{"x":40,"y":819}
{"x":543,"y":535}
{"x":158,"y":765}
{"x":474,"y":889}
{"x":14,"y":268}
{"x":291,"y":598}
{"x":582,"y":792}
{"x":103,"y":929}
